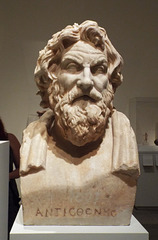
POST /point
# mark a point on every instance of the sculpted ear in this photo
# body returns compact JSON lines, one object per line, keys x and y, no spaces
{"x":43,"y":82}
{"x":116,"y":77}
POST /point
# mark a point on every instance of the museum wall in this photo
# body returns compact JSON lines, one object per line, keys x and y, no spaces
{"x":26,"y":26}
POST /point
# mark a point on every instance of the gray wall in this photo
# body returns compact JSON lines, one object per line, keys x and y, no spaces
{"x":26,"y":26}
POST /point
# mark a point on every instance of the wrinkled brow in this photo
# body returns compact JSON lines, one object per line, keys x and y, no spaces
{"x":74,"y":59}
{"x":99,"y":61}
{"x":79,"y":60}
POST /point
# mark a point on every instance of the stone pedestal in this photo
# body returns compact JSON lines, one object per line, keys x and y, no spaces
{"x":134,"y":231}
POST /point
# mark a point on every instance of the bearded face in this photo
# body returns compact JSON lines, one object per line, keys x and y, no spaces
{"x":79,"y":96}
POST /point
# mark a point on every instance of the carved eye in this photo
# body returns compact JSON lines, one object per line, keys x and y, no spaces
{"x":99,"y":69}
{"x":72,"y":67}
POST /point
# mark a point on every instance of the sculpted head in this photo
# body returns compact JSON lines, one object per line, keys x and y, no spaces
{"x":77,"y":74}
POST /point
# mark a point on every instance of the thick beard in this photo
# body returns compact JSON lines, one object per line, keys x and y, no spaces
{"x":82,"y":120}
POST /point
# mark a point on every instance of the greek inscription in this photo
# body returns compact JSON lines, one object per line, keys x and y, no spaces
{"x":107,"y":212}
{"x":88,"y":211}
{"x":64,"y":212}
{"x":79,"y":212}
{"x":97,"y":212}
{"x":72,"y":212}
{"x":38,"y":212}
{"x":57,"y":211}
{"x":49,"y":213}
{"x":75,"y":212}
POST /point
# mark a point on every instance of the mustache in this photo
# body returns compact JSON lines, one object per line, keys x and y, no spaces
{"x":76,"y":93}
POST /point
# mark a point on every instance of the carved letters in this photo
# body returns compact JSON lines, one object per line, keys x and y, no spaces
{"x":75,"y":212}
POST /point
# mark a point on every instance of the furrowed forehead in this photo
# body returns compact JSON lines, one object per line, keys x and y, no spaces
{"x":82,"y":50}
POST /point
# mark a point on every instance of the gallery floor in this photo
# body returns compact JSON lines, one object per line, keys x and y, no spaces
{"x":148,"y":217}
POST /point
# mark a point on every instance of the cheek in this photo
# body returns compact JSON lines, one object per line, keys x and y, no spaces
{"x":100,"y":82}
{"x":66,"y":80}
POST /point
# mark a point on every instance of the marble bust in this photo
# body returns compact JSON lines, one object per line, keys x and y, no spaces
{"x":79,"y":161}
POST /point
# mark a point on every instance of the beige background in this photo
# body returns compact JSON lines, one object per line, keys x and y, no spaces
{"x":26,"y":26}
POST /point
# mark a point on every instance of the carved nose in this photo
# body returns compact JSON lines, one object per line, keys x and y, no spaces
{"x":85,"y":82}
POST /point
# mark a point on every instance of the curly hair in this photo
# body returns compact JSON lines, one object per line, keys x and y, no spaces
{"x":50,"y":56}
